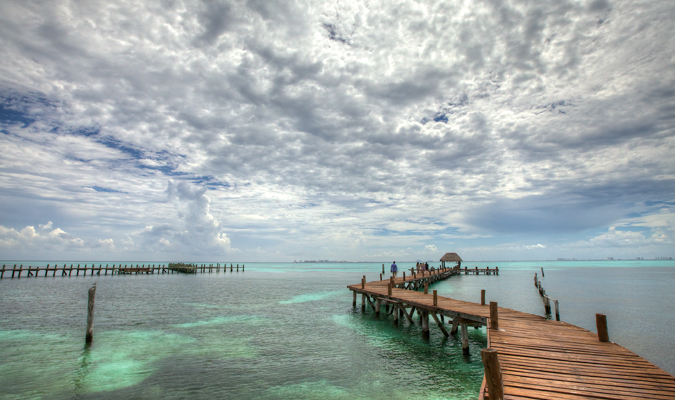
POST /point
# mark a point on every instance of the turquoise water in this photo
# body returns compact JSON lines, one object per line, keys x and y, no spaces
{"x":288,"y":331}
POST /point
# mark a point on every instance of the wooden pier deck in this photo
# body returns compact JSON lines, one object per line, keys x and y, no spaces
{"x":538,"y":358}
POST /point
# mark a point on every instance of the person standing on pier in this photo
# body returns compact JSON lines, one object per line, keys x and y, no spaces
{"x":394,"y":269}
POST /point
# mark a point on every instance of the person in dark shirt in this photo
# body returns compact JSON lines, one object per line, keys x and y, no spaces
{"x":394,"y":269}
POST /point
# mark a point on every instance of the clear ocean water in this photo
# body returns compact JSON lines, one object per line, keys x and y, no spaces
{"x":288,"y":331}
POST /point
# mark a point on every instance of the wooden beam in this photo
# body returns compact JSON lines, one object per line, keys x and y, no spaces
{"x":440,"y":324}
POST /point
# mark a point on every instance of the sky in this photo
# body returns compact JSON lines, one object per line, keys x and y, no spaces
{"x":344,"y":130}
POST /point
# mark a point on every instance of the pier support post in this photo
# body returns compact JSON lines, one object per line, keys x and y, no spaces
{"x":494,"y":315}
{"x":465,"y":339}
{"x":378,"y":304}
{"x":425,"y":323}
{"x":354,"y":302}
{"x":363,"y":302}
{"x":435,"y":298}
{"x":542,"y":272}
{"x":90,"y":315}
{"x":557,"y":311}
{"x":482,"y":297}
{"x":426,"y":287}
{"x":493,"y":374}
{"x":383,"y":268}
{"x":601,"y":323}
{"x":396,"y":313}
{"x":363,"y":282}
{"x":389,"y":289}
{"x":455,"y":325}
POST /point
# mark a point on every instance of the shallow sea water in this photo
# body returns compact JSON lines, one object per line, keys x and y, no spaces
{"x":288,"y":331}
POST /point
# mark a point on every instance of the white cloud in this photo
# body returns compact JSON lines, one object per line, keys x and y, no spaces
{"x":343,"y":127}
{"x":42,"y":238}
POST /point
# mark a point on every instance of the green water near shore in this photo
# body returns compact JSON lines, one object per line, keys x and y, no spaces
{"x":284,"y":331}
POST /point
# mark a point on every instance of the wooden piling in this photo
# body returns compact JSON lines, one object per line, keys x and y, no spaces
{"x":482,"y":297}
{"x":363,"y":302}
{"x":20,"y":268}
{"x":425,"y":323}
{"x":90,"y":315}
{"x":542,"y":272}
{"x":380,"y":276}
{"x":363,"y":282}
{"x":465,"y":339}
{"x":396,"y":312}
{"x":435,"y":298}
{"x":455,"y":325}
{"x":557,"y":311}
{"x":2,"y":274}
{"x":354,"y":302}
{"x":383,"y":268}
{"x":426,"y":287}
{"x":536,"y":284}
{"x":601,"y":323}
{"x":493,"y":374}
{"x":378,"y":304}
{"x":494,"y":315}
{"x":389,"y":289}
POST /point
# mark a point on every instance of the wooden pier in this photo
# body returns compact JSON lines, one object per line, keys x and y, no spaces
{"x":536,"y":358}
{"x":54,"y":270}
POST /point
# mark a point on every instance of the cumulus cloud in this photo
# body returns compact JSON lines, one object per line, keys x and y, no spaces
{"x":198,"y":229}
{"x":44,"y":237}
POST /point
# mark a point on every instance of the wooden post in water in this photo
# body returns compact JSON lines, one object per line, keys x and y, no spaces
{"x":242,"y":267}
{"x":380,"y":276}
{"x":389,"y":289}
{"x":435,"y":298}
{"x":482,"y":297}
{"x":378,"y":304}
{"x":20,"y":268}
{"x":237,"y":267}
{"x":601,"y":323}
{"x":494,"y":315}
{"x":535,"y":281}
{"x":542,"y":272}
{"x":455,"y":325}
{"x":2,"y":274}
{"x":465,"y":339}
{"x":90,"y":315}
{"x":396,"y":313}
{"x":383,"y":268}
{"x":425,"y":323}
{"x":354,"y":302}
{"x":493,"y":374}
{"x":363,"y":282}
{"x":363,"y":302}
{"x":557,"y":311}
{"x":426,"y":287}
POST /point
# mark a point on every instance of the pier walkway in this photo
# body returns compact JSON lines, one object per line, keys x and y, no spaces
{"x":538,"y":358}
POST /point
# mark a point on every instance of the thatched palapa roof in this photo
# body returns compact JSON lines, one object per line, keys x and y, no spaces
{"x":452,"y":257}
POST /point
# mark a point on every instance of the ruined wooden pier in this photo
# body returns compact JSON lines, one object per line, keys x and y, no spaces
{"x":55,"y":270}
{"x":528,"y":356}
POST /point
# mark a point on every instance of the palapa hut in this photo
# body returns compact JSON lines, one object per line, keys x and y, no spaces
{"x":451,"y":257}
